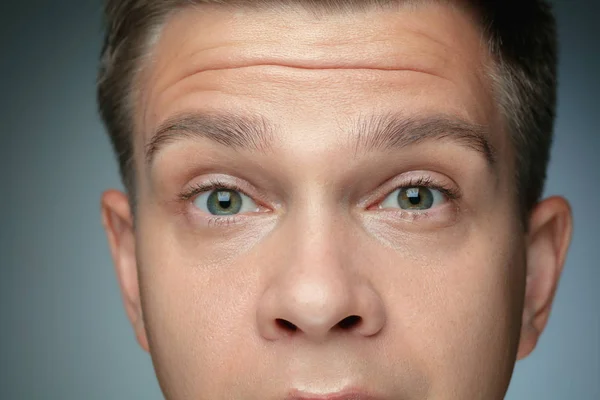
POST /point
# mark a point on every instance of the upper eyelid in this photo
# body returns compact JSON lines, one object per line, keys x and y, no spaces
{"x":398,"y":182}
{"x":377,"y":195}
{"x":221,"y":188}
{"x":194,"y":190}
{"x":443,"y":190}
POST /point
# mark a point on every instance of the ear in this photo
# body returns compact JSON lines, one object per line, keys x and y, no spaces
{"x":118,"y":224}
{"x":550,"y":228}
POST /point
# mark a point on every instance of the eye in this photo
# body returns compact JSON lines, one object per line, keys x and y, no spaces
{"x":225,"y":202}
{"x":415,"y":198}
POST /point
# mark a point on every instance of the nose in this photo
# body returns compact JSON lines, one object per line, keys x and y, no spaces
{"x":318,"y":290}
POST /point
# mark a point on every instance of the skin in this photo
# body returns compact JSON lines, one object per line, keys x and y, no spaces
{"x":448,"y":298}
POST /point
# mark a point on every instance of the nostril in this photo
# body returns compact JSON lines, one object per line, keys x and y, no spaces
{"x":286,"y":325}
{"x":350,"y":322}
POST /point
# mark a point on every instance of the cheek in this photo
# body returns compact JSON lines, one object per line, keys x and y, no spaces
{"x":197,"y":310}
{"x":458,"y":311}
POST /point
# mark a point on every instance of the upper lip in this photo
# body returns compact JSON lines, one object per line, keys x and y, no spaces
{"x":343,"y":395}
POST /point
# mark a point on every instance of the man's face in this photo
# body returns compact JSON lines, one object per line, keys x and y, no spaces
{"x":325,"y":205}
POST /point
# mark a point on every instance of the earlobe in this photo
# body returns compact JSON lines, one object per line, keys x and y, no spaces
{"x":550,"y":228}
{"x":117,"y":220}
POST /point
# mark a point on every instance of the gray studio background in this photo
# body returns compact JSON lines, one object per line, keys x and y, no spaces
{"x":63,"y":331}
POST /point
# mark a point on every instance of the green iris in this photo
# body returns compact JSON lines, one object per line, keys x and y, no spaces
{"x":224,"y":202}
{"x":415,"y":198}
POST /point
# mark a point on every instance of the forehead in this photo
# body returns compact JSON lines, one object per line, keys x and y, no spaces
{"x":426,"y":56}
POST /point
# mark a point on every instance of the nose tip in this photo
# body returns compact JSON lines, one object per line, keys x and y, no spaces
{"x":316,"y":314}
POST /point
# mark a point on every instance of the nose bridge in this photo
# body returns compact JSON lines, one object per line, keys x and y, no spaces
{"x":317,"y":278}
{"x":317,"y":226}
{"x":316,"y":289}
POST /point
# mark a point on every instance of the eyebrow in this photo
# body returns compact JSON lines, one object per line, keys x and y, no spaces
{"x":376,"y":132}
{"x":250,"y":132}
{"x":381,"y":132}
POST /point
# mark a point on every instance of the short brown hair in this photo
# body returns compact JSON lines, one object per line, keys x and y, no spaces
{"x":522,"y":40}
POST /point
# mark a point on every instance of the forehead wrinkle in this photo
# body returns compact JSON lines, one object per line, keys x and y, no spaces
{"x":380,"y":132}
{"x":231,"y":48}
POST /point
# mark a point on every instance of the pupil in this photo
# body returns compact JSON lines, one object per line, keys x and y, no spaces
{"x":224,"y":199}
{"x":414,"y":196}
{"x":414,"y":200}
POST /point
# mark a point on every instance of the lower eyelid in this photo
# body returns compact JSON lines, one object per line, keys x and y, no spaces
{"x":443,"y":214}
{"x":214,"y":222}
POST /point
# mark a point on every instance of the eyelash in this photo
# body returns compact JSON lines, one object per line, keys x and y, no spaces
{"x":213,"y":184}
{"x":451,"y":193}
